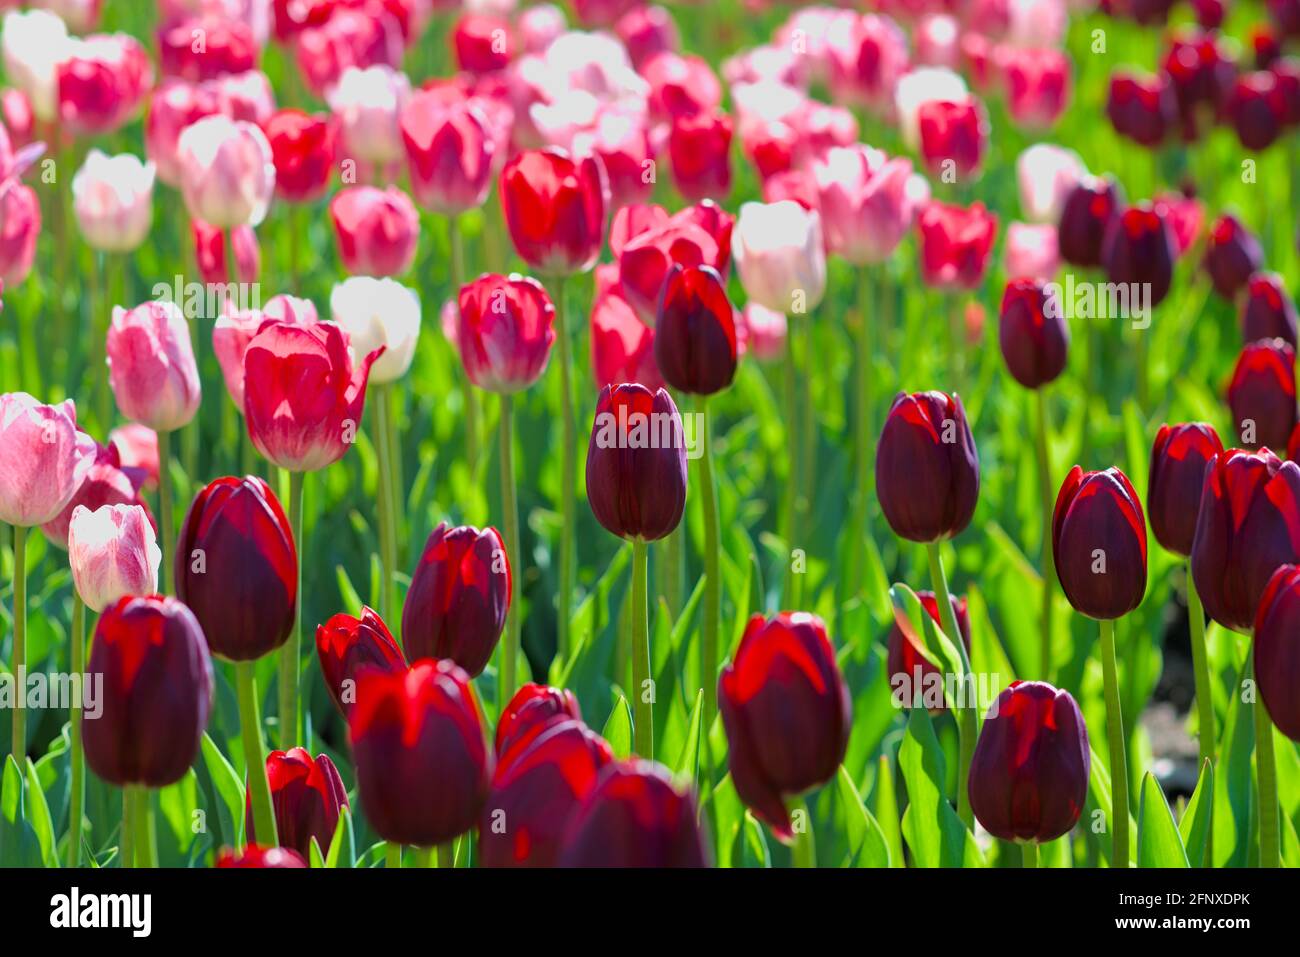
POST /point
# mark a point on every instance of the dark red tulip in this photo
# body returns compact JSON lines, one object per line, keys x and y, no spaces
{"x":634,"y":817}
{"x":1201,"y":72}
{"x":1139,"y":248}
{"x":228,"y":47}
{"x":302,"y":147}
{"x":1029,"y":774}
{"x":1277,"y":650}
{"x":1286,"y":71}
{"x":636,"y":462}
{"x":1262,"y":394}
{"x":1265,"y":44}
{"x":256,"y":856}
{"x":927,"y":467}
{"x":955,"y":244}
{"x":1178,"y":459}
{"x":538,"y":784}
{"x":1286,"y":15}
{"x":307,"y":796}
{"x":956,"y":131}
{"x":695,"y":332}
{"x":157,"y":692}
{"x":1247,"y":526}
{"x":648,"y":244}
{"x":1085,"y":216}
{"x":1269,"y":311}
{"x":1032,"y":333}
{"x":1209,"y":13}
{"x":347,"y":646}
{"x":904,"y":657}
{"x":237,"y":568}
{"x":1141,"y":108}
{"x":1256,"y":107}
{"x":700,"y":149}
{"x":530,"y":711}
{"x":1099,"y":543}
{"x":786,"y":711}
{"x":555,"y":208}
{"x":423,"y":763}
{"x":460,"y":593}
{"x":1232,"y":254}
{"x":1150,"y":12}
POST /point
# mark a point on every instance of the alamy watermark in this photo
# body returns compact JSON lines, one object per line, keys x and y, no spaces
{"x":650,"y":430}
{"x":58,"y":690}
{"x":1099,"y":300}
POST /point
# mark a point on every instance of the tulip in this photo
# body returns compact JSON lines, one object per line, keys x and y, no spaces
{"x":113,"y":552}
{"x":107,"y":482}
{"x":45,"y":460}
{"x":1232,"y":255}
{"x":538,"y":784}
{"x":622,"y":143}
{"x":1268,"y":311}
{"x":1029,"y":777}
{"x":1047,"y":175}
{"x":1275,"y":664}
{"x":379,"y":315}
{"x":764,"y":332}
{"x":482,"y":44}
{"x":1031,"y":251}
{"x":779,"y":256}
{"x":1201,"y":73}
{"x":1141,"y":108}
{"x":555,"y":209}
{"x":864,"y":201}
{"x":112,"y":198}
{"x":622,"y":346}
{"x":174,"y":106}
{"x":450,"y":152}
{"x":256,"y":856}
{"x":227,"y":171}
{"x":918,"y":87}
{"x":308,"y":797}
{"x":907,"y":667}
{"x":245,"y":96}
{"x":137,"y":448}
{"x":347,"y":647}
{"x":953,"y":131}
{"x":1262,"y":394}
{"x":34,"y":43}
{"x":302,"y":150}
{"x":1139,"y":248}
{"x":1185,"y":215}
{"x":532,"y":710}
{"x":538,"y":26}
{"x":423,"y":764}
{"x":783,"y":686}
{"x":347,"y":38}
{"x":151,"y":365}
{"x":1085,"y":218}
{"x":955,"y":244}
{"x":504,"y":332}
{"x":228,"y":46}
{"x":212,"y":255}
{"x":635,"y":816}
{"x":866,"y":60}
{"x":377,"y":230}
{"x":695,"y":333}
{"x":366,"y":104}
{"x":1256,"y":108}
{"x":20,"y":224}
{"x":1037,"y":85}
{"x":647,"y":31}
{"x":699,"y":147}
{"x":235,"y":329}
{"x":101,"y":82}
{"x":1032,"y":333}
{"x":645,"y":258}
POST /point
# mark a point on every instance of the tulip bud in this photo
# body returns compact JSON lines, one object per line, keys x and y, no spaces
{"x":903,"y":657}
{"x":45,"y":458}
{"x":1037,"y":84}
{"x":366,"y":103}
{"x":1085,"y":217}
{"x":646,"y":255}
{"x":695,"y":333}
{"x":423,"y":764}
{"x":1277,"y":652}
{"x":256,"y":856}
{"x":622,"y":346}
{"x":1256,"y":107}
{"x":482,"y":44}
{"x":1262,"y":394}
{"x":700,"y":149}
{"x":953,"y":132}
{"x":347,"y":647}
{"x":112,"y":198}
{"x":227,"y":171}
{"x":636,"y":462}
{"x":1178,"y":460}
{"x":157,"y":692}
{"x":1141,"y":108}
{"x":1139,"y":248}
{"x":450,"y":152}
{"x":210,"y":253}
{"x":113,"y":552}
{"x":307,"y":796}
{"x":235,"y":329}
{"x":20,"y":214}
{"x":1032,"y":333}
{"x":377,"y":230}
{"x":505,"y":330}
{"x":533,"y":709}
{"x":1046,"y":176}
{"x":927,"y":467}
{"x":955,"y":244}
{"x":459,"y":596}
{"x":101,"y":82}
{"x":1232,"y":254}
{"x":780,"y":256}
{"x":537,"y":786}
{"x":379,"y":315}
{"x":1099,"y":543}
{"x":1029,"y":774}
{"x":151,"y":365}
{"x":783,"y":685}
{"x":634,"y":817}
{"x":555,"y":208}
{"x":864,"y":202}
{"x":302,"y":149}
{"x":1268,"y":311}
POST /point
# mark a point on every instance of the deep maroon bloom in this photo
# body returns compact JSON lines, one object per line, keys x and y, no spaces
{"x":1032,"y":333}
{"x":1262,"y":394}
{"x":1141,"y":108}
{"x":307,"y":796}
{"x":1256,"y":107}
{"x":1099,"y":543}
{"x":256,"y":856}
{"x":1248,"y":525}
{"x":1139,"y":248}
{"x":1286,"y":15}
{"x":538,"y":784}
{"x":237,"y":568}
{"x":157,"y":692}
{"x":347,"y":646}
{"x":904,"y":656}
{"x":1178,"y":459}
{"x":423,"y":763}
{"x":531,"y":710}
{"x":1201,"y":72}
{"x":555,"y":208}
{"x":634,"y":817}
{"x":1085,"y":216}
{"x":1029,"y":773}
{"x":695,"y":332}
{"x":786,"y":711}
{"x":460,"y":593}
{"x":636,"y":462}
{"x":927,"y":467}
{"x":1277,"y":650}
{"x":1232,"y":253}
{"x":1268,"y":311}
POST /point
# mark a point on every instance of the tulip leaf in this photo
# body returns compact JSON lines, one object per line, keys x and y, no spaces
{"x":928,"y":638}
{"x":19,"y":844}
{"x":1198,"y":818}
{"x":1158,"y":841}
{"x":343,"y":849}
{"x":750,"y":848}
{"x":230,"y":791}
{"x":1099,"y":798}
{"x":314,"y":857}
{"x":38,"y":815}
{"x":687,"y":770}
{"x":351,"y":600}
{"x":1234,"y":805}
{"x":887,"y":811}
{"x":932,"y":829}
{"x":618,"y":728}
{"x":866,"y":841}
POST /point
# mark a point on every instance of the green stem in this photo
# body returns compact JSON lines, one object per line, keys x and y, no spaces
{"x":1142,"y":358}
{"x":712,"y":570}
{"x":1029,"y":854}
{"x":397,"y":487}
{"x":291,"y":653}
{"x":19,"y":663}
{"x":967,"y":718}
{"x":791,"y":505}
{"x":1115,"y":739}
{"x":250,"y":727}
{"x":1049,"y":505}
{"x":669,"y":552}
{"x":643,"y":706}
{"x":803,"y":851}
{"x":77,"y":758}
{"x":393,"y":855}
{"x":568,"y":473}
{"x":1270,"y":848}
{"x":165,"y":510}
{"x":862,"y":454}
{"x":126,"y":840}
{"x":510,"y":509}
{"x":456,"y":241}
{"x":1201,"y":669}
{"x":146,"y":836}
{"x":384,"y":497}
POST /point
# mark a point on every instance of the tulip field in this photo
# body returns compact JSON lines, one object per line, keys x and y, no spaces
{"x":479,"y":433}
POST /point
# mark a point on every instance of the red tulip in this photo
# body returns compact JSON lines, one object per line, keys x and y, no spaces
{"x":1277,"y":652}
{"x":1232,"y":254}
{"x":1178,"y":460}
{"x":1262,"y":394}
{"x":347,"y":647}
{"x":555,"y":209}
{"x":645,"y":32}
{"x":695,"y":333}
{"x":956,"y":132}
{"x":347,"y":38}
{"x":504,"y":331}
{"x":1138,"y":248}
{"x":302,"y":147}
{"x":450,"y":151}
{"x":228,"y":46}
{"x":1099,"y":543}
{"x":1256,"y":107}
{"x":1032,"y":333}
{"x":955,"y":244}
{"x":1268,"y":311}
{"x":377,"y":230}
{"x":1085,"y":217}
{"x":622,"y":346}
{"x":533,"y":709}
{"x":256,"y":856}
{"x":307,"y":795}
{"x":699,"y":147}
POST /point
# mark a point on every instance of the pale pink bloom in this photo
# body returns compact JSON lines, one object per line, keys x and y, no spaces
{"x":1036,"y":23}
{"x":175,"y":105}
{"x":921,"y":86}
{"x":107,"y":482}
{"x":81,"y":16}
{"x":137,"y":448}
{"x":539,"y":25}
{"x":1046,"y":175}
{"x":245,"y":96}
{"x":113,"y":552}
{"x":43,"y":458}
{"x":112,"y":198}
{"x":868,"y":55}
{"x":367,"y":104}
{"x":767,"y":62}
{"x":20,"y":224}
{"x":33,"y":44}
{"x":864,"y":201}
{"x":227,"y":172}
{"x":378,"y":314}
{"x":936,"y":41}
{"x":235,"y":329}
{"x":779,"y":255}
{"x":1032,"y":252}
{"x":151,"y":365}
{"x":765,"y":331}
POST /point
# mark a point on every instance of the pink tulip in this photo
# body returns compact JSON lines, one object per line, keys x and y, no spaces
{"x":102,"y":83}
{"x":303,"y":395}
{"x":936,"y":41}
{"x":112,"y":198}
{"x":504,"y":331}
{"x":151,"y":365}
{"x":210,"y":253}
{"x":235,"y":329}
{"x":921,"y":86}
{"x":681,"y":86}
{"x":367,"y":104}
{"x":449,"y":152}
{"x":647,"y":31}
{"x":867,"y":55}
{"x":226,"y":171}
{"x":622,"y":346}
{"x":19,"y":120}
{"x":539,"y":25}
{"x":765,"y":332}
{"x":137,"y":448}
{"x":34,"y":44}
{"x":43,"y":458}
{"x":113,"y":552}
{"x":645,"y":260}
{"x":347,"y":38}
{"x":1036,"y":23}
{"x":619,"y":137}
{"x":955,"y":244}
{"x":245,"y":96}
{"x":174,"y":106}
{"x":780,"y":256}
{"x":377,"y":230}
{"x":107,"y":482}
{"x":20,"y":223}
{"x":1036,"y":83}
{"x":1032,"y":252}
{"x":1046,"y":175}
{"x":865,"y":204}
